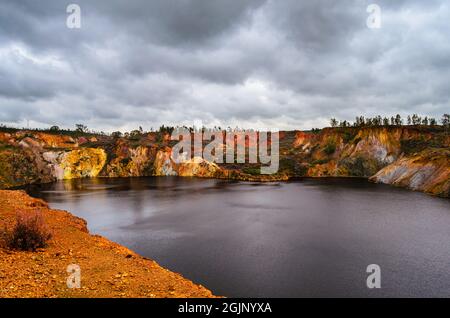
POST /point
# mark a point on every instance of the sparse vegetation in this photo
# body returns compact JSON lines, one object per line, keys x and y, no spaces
{"x":252,"y":171}
{"x":348,"y":136}
{"x":29,"y":233}
{"x":81,"y":128}
{"x":287,"y":165}
{"x":330,"y":148}
{"x":397,"y":120}
{"x":116,"y":134}
{"x":319,"y":162}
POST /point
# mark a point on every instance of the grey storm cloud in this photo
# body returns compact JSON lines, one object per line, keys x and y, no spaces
{"x":264,"y":63}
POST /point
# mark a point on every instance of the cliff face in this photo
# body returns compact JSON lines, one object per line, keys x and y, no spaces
{"x":28,"y":157}
{"x":350,"y":152}
{"x":81,"y":163}
{"x":427,"y":171}
{"x":130,"y":162}
{"x":412,"y":157}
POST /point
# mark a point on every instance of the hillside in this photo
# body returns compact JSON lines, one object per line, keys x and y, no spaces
{"x":415,"y":157}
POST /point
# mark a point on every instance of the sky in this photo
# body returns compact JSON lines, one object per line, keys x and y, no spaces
{"x":289,"y":64}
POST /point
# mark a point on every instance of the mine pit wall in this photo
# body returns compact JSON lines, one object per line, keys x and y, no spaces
{"x":418,"y":159}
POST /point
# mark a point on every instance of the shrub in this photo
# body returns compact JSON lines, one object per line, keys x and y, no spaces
{"x":29,"y":233}
{"x":330,"y":148}
{"x":125,"y":161}
{"x":287,"y":164}
{"x":252,"y":171}
{"x":348,"y":136}
{"x":320,"y":161}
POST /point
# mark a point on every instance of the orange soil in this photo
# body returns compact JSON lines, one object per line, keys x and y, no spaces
{"x":107,"y":269}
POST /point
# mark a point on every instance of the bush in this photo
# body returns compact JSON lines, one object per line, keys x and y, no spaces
{"x":287,"y":164}
{"x":348,"y":136}
{"x":29,"y":233}
{"x":320,"y":161}
{"x":252,"y":171}
{"x":330,"y":149}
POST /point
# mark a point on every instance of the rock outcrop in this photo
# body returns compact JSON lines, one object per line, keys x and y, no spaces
{"x":82,"y":163}
{"x":364,"y":152}
{"x":130,"y":162}
{"x":427,"y":171}
{"x":164,"y":164}
{"x":412,"y":157}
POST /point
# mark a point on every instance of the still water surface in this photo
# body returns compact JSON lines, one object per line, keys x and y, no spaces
{"x":304,"y":238}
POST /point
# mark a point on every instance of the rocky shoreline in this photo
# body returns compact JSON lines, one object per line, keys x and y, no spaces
{"x":417,"y":158}
{"x":107,"y":269}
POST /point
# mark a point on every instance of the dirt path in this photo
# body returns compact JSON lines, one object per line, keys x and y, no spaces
{"x":107,"y":269}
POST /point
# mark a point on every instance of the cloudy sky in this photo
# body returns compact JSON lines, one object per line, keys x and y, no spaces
{"x":249,"y":63}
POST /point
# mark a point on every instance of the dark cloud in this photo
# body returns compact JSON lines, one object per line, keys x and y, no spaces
{"x":287,"y":64}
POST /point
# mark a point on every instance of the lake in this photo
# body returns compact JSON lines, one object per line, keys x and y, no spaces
{"x":306,"y":238}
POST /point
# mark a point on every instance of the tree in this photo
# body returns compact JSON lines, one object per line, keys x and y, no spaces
{"x":409,"y":120}
{"x":433,"y":122}
{"x":81,"y":128}
{"x":116,"y":134}
{"x":135,"y":133}
{"x":333,"y":122}
{"x":377,"y":121}
{"x":416,"y":119}
{"x":386,"y":121}
{"x":168,"y":130}
{"x":445,"y":120}
{"x":54,"y":128}
{"x":398,"y":120}
{"x":344,"y":124}
{"x":362,"y":120}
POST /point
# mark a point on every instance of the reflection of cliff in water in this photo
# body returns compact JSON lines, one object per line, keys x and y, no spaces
{"x":313,"y":237}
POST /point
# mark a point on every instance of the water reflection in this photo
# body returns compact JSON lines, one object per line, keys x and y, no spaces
{"x":305,"y":238}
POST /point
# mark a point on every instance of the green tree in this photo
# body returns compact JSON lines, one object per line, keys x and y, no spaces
{"x":416,"y":119}
{"x":116,"y":134}
{"x":333,"y":122}
{"x":445,"y":120}
{"x":81,"y":128}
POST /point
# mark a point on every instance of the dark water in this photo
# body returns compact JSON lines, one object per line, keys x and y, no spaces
{"x":307,"y":238}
